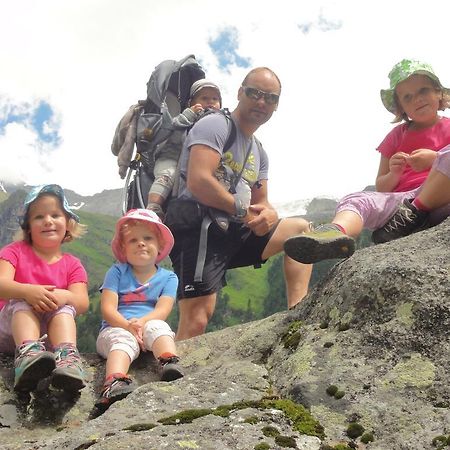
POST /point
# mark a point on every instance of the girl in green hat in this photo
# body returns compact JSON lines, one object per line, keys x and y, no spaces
{"x":413,"y":180}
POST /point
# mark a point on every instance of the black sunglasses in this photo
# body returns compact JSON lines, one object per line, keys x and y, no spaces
{"x":256,"y":94}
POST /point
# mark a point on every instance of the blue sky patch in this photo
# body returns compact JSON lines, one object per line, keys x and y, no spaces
{"x":321,"y":24}
{"x":224,"y":47}
{"x":39,"y":117}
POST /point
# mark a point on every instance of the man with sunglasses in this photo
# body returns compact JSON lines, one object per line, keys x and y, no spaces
{"x":254,"y":232}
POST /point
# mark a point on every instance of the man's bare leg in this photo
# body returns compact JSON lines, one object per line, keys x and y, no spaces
{"x":195,"y":314}
{"x":296,"y":275}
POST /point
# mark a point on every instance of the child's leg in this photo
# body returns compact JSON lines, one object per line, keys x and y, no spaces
{"x":350,"y":222}
{"x":162,"y":345}
{"x":118,"y":361}
{"x":435,"y":192}
{"x":354,"y":212}
{"x":62,"y":328}
{"x":25,"y":326}
{"x":164,"y":172}
{"x":120,"y":349}
{"x":159,"y":338}
{"x":68,"y":374}
{"x":430,"y":206}
{"x":32,"y":362}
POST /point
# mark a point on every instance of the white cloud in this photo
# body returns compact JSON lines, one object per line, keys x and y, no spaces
{"x":91,"y":59}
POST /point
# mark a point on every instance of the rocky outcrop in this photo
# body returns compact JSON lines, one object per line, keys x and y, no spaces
{"x":362,"y":362}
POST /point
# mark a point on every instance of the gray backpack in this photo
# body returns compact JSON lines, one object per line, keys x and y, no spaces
{"x":148,"y":124}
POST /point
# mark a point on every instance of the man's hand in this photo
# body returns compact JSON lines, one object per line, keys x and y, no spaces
{"x":397,"y":163}
{"x":421,"y":159}
{"x":41,"y":298}
{"x":260,"y":219}
{"x":136,"y":328}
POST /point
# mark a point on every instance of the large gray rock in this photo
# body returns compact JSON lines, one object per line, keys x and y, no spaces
{"x":369,"y":346}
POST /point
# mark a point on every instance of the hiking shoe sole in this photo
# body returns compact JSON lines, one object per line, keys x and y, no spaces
{"x":309,"y":250}
{"x":41,"y":368}
{"x":67,"y":382}
{"x":171,"y":372}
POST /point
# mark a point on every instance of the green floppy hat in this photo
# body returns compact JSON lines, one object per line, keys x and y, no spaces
{"x":400,"y":72}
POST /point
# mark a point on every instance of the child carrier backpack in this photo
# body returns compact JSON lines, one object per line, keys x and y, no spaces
{"x":148,"y":124}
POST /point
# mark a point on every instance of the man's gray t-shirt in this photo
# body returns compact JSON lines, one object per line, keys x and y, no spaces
{"x":212,"y":131}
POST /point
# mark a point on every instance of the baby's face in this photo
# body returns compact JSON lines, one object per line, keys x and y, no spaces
{"x":208,"y":97}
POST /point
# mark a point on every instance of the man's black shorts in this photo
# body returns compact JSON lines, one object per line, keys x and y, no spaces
{"x":238,"y":247}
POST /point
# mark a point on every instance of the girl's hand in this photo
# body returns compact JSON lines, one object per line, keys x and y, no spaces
{"x":397,"y":163}
{"x":136,"y":328}
{"x":41,"y":297}
{"x":421,"y":159}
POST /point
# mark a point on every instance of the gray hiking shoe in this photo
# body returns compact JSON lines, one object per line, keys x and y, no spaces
{"x":324,"y":242}
{"x":32,"y":363}
{"x":116,"y":388}
{"x":69,"y":374}
{"x":406,"y":220}
{"x":170,"y":370}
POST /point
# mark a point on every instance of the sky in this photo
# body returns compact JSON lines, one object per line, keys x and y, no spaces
{"x":69,"y":70}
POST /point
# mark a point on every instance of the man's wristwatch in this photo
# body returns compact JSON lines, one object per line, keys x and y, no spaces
{"x":241,"y":210}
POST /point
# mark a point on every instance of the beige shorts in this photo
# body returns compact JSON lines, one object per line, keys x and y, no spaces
{"x":116,"y":338}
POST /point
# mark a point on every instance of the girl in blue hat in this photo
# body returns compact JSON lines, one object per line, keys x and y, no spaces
{"x":413,"y":180}
{"x":43,"y":289}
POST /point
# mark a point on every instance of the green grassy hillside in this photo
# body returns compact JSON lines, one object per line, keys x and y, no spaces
{"x":249,"y":295}
{"x":93,"y":248}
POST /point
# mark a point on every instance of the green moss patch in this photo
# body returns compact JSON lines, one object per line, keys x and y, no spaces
{"x":293,"y":335}
{"x":302,"y":420}
{"x":354,"y":430}
{"x":141,"y":427}
{"x":262,"y":446}
{"x":286,"y":441}
{"x":441,"y":442}
{"x":334,"y":391}
{"x":270,"y":431}
{"x":367,"y":437}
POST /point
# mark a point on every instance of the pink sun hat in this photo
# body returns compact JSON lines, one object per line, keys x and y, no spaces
{"x":147,"y":216}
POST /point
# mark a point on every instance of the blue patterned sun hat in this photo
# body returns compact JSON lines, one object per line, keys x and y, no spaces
{"x":54,"y":189}
{"x":400,"y":72}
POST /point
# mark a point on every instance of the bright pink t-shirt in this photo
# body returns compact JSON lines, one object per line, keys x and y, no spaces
{"x":402,"y":139}
{"x":30,"y":268}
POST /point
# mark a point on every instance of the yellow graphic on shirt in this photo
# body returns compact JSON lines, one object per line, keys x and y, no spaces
{"x":249,"y":174}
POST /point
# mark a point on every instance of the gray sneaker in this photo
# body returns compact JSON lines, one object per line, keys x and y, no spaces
{"x":32,"y":363}
{"x":116,"y":388}
{"x":170,"y":370}
{"x":406,"y":220}
{"x":324,"y":242}
{"x":69,"y":374}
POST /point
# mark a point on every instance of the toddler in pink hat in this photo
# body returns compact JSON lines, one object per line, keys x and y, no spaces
{"x":137,"y":297}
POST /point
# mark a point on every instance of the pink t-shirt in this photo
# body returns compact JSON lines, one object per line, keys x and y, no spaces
{"x":402,"y":139}
{"x":30,"y":268}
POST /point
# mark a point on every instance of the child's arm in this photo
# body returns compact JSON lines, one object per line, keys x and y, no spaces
{"x":187,"y":117}
{"x":40,"y":297}
{"x":109,"y":303}
{"x":390,"y":171}
{"x":75,"y":295}
{"x":162,"y":310}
